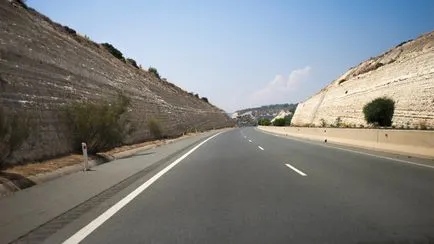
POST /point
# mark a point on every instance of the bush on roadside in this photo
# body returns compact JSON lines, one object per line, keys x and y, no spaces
{"x":155,"y":128}
{"x":264,"y":121}
{"x":101,"y":125}
{"x":423,"y":125}
{"x":288,"y":120}
{"x":338,"y":122}
{"x":323,"y":123}
{"x":279,"y":122}
{"x":14,"y":130}
{"x":379,"y":111}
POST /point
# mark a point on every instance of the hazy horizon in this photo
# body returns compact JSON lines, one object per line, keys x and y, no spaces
{"x":247,"y":54}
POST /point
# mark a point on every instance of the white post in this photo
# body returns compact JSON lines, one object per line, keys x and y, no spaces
{"x":86,"y":163}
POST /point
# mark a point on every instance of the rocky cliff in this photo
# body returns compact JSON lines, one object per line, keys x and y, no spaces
{"x":405,"y":73}
{"x":45,"y":66}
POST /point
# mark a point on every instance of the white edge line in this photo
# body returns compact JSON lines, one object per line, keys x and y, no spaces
{"x":296,"y":170}
{"x":261,"y":148}
{"x":349,"y":150}
{"x":88,"y":229}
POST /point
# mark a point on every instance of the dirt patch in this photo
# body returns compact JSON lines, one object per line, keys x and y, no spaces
{"x":51,"y":165}
{"x":45,"y":166}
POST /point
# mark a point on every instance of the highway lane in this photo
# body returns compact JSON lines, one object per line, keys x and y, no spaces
{"x":244,"y":186}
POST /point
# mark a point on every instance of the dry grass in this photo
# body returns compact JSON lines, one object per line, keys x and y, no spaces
{"x":73,"y":159}
{"x":131,"y":147}
{"x":45,"y":166}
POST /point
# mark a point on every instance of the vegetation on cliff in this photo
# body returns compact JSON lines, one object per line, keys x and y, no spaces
{"x":154,"y":71}
{"x":14,"y":130}
{"x":101,"y":125}
{"x":114,"y":51}
{"x":379,"y":111}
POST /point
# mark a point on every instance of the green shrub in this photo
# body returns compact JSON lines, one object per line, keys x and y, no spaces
{"x":155,"y":128}
{"x":70,"y":30}
{"x":264,"y":121}
{"x":279,"y":122}
{"x":115,"y":52}
{"x":338,"y":122}
{"x":101,"y":125}
{"x":132,"y":62}
{"x":423,"y":125}
{"x":23,"y":3}
{"x":379,"y":111}
{"x":288,"y":119}
{"x":404,"y":42}
{"x":14,"y":130}
{"x":323,"y":123}
{"x":154,"y":71}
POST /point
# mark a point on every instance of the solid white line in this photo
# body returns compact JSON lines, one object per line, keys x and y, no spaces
{"x":261,"y":148}
{"x":295,"y":169}
{"x":349,"y":150}
{"x":250,"y":140}
{"x":88,"y":229}
{"x":383,"y":157}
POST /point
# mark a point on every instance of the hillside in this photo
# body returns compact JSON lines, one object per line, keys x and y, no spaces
{"x":404,"y":73}
{"x":45,"y":66}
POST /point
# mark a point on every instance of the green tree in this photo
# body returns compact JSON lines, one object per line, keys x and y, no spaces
{"x":379,"y":111}
{"x":288,"y":119}
{"x":279,"y":122}
{"x":264,"y":121}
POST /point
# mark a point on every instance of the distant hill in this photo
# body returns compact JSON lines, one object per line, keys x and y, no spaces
{"x":250,"y":116}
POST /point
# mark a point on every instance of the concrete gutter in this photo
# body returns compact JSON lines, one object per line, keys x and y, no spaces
{"x":404,"y":142}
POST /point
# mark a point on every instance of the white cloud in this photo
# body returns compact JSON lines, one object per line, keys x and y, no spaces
{"x":280,"y":88}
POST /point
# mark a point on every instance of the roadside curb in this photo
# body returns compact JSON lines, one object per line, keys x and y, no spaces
{"x":8,"y":187}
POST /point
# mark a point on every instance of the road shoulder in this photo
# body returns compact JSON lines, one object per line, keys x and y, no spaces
{"x":36,"y":206}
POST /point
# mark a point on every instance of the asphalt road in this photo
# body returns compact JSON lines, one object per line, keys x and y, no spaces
{"x":245,"y":186}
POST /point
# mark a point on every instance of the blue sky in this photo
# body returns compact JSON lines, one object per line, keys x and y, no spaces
{"x":246,"y":53}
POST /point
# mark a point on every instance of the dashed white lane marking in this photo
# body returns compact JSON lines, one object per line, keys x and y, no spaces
{"x":296,"y":170}
{"x":250,"y":141}
{"x":92,"y":226}
{"x":261,"y":148}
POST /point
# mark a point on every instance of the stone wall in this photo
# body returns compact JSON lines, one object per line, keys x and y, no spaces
{"x":404,"y":73}
{"x":43,"y":68}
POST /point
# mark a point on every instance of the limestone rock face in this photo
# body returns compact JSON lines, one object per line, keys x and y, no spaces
{"x":404,"y":73}
{"x":43,"y":67}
